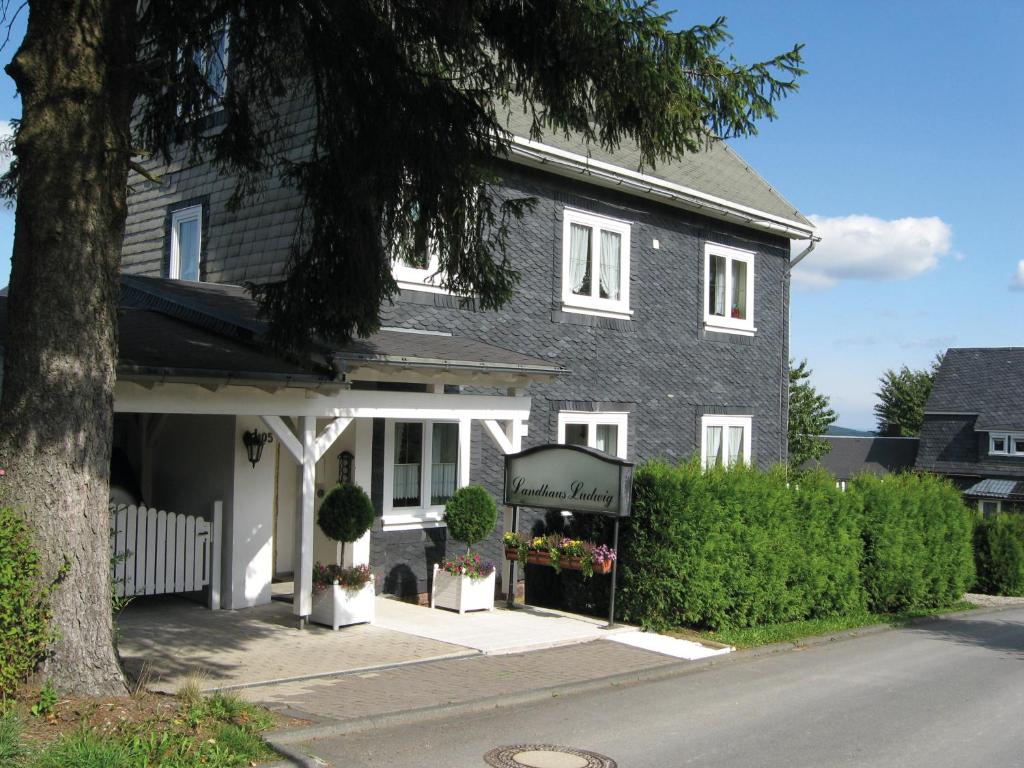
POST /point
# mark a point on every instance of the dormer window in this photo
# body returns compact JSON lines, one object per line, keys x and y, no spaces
{"x":1006,"y":444}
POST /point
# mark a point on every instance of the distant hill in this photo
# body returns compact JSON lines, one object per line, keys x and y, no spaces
{"x":847,"y":432}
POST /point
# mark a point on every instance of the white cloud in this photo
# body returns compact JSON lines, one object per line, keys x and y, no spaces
{"x":868,"y":248}
{"x":1017,"y":284}
{"x":6,"y":132}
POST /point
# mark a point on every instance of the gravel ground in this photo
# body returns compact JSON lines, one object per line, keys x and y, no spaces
{"x":993,"y":601}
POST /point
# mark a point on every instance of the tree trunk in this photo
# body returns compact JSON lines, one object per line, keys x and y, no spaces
{"x":72,"y":71}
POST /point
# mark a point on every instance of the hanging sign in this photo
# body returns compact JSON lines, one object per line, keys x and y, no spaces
{"x":569,"y":477}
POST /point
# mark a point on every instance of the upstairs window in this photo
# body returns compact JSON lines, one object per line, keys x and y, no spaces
{"x":186,"y":243}
{"x":212,"y":61}
{"x":1006,"y":443}
{"x":729,"y":289}
{"x":603,"y":431}
{"x":419,"y":272}
{"x":595,"y":264}
{"x":725,"y":440}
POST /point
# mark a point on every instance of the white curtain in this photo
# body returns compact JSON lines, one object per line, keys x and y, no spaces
{"x":608,"y":438}
{"x":716,"y":286}
{"x":444,"y":462}
{"x":579,"y":260}
{"x":735,"y":445}
{"x":714,"y":440}
{"x":739,"y":290}
{"x":188,"y":250}
{"x":407,"y":485}
{"x":611,"y":250}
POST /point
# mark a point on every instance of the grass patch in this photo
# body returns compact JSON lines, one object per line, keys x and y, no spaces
{"x":795,"y":631}
{"x":217,"y":731}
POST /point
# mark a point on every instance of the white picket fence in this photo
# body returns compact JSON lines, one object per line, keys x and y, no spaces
{"x":157,"y":552}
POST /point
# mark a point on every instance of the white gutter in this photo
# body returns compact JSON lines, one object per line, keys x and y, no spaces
{"x":815,"y":239}
{"x":535,"y":153}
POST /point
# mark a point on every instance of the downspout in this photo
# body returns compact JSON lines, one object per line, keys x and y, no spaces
{"x":784,"y":379}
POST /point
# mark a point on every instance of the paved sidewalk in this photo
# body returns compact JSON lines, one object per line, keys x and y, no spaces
{"x":364,"y":696}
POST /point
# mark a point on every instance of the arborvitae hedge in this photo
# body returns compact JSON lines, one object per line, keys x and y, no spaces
{"x":743,"y":547}
{"x":999,"y":554}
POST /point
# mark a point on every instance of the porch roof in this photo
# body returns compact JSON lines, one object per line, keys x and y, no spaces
{"x":171,"y":330}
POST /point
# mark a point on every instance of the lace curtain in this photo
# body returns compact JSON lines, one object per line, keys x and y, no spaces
{"x":579,"y":260}
{"x":611,"y":245}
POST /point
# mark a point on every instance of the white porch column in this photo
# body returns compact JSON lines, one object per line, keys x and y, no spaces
{"x":465,"y":450}
{"x":359,"y":552}
{"x":302,"y":603}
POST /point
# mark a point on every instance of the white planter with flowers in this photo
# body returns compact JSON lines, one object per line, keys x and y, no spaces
{"x":337,"y":606}
{"x":466,"y":583}
{"x":460,"y":592}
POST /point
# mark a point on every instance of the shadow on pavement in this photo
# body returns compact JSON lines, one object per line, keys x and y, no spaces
{"x":1004,"y":636}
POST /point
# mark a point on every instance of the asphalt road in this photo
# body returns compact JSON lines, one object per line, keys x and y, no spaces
{"x":947,"y":693}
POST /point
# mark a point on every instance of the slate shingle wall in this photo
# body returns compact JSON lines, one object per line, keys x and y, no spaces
{"x":660,"y":366}
{"x":950,"y":445}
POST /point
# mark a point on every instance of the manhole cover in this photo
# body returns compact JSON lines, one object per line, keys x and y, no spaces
{"x":545,"y":756}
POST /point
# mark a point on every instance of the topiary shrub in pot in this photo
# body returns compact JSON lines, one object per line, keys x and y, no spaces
{"x":466,"y":583}
{"x":343,"y":596}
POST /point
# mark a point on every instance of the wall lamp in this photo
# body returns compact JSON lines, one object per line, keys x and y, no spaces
{"x":254,"y":441}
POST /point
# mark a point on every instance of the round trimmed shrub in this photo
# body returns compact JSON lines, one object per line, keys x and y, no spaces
{"x":346,"y":513}
{"x":24,"y":605}
{"x":470,"y":514}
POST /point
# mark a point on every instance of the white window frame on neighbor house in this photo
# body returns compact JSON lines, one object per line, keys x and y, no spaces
{"x":179,"y":217}
{"x":725,"y":422}
{"x":426,"y":515}
{"x":728,"y":324}
{"x":592,"y":420}
{"x":1010,"y":443}
{"x":593,"y":304}
{"x":987,"y":512}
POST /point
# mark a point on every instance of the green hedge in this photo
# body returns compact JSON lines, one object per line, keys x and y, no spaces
{"x":24,"y":606}
{"x":999,"y":555}
{"x":743,"y":547}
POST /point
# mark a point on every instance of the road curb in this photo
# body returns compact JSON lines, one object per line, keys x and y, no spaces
{"x":330,"y":728}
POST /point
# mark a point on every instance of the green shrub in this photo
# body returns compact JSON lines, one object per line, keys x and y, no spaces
{"x":346,"y":513}
{"x":917,"y":542}
{"x":999,"y":555}
{"x":470,"y":514}
{"x":737,"y":548}
{"x":24,"y":605}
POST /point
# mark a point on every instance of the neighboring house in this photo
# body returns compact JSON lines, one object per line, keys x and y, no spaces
{"x":651,"y":321}
{"x":850,"y":456}
{"x":973,"y":428}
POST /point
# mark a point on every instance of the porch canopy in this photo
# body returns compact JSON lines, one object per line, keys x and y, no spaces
{"x":199,"y":349}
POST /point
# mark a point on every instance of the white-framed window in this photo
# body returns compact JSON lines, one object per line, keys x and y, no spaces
{"x":603,"y":431}
{"x":725,"y":440}
{"x":186,"y":243}
{"x":420,"y":273}
{"x":728,"y":289}
{"x":421,"y":470}
{"x":595,"y":264}
{"x":1006,"y":443}
{"x":989,"y":507}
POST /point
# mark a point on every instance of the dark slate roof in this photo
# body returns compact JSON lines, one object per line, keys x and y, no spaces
{"x":992,"y":488}
{"x":874,"y":455}
{"x":988,"y":382}
{"x":719,"y":171}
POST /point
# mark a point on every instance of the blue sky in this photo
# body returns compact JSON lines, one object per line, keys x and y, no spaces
{"x":902,"y":143}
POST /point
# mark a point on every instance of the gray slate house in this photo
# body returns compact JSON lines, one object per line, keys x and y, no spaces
{"x":973,"y":428}
{"x":651,"y":321}
{"x":872,"y":455}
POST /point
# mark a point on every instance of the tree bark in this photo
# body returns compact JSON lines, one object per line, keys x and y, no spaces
{"x":56,"y":415}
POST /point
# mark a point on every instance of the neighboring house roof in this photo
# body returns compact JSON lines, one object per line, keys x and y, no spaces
{"x":987,"y":382}
{"x":171,"y":329}
{"x":717,"y":174}
{"x":992,"y":488}
{"x":873,"y":455}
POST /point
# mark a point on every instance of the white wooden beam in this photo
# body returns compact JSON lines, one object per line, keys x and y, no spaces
{"x":331,"y":432}
{"x":497,"y":433}
{"x":284,"y":435}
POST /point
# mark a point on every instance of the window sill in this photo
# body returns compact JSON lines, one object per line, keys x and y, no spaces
{"x":413,"y":519}
{"x":718,"y":326}
{"x":411,"y":285}
{"x":616,"y":314}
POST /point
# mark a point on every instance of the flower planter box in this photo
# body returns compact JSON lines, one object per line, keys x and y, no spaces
{"x":338,"y":606}
{"x":535,"y":557}
{"x":461,"y":593}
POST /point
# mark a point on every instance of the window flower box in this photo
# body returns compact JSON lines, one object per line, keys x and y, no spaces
{"x":560,"y":553}
{"x":338,"y":606}
{"x":461,"y":592}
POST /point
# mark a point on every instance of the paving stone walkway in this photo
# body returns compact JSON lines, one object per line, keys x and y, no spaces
{"x":436,"y":683}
